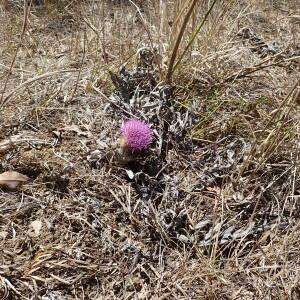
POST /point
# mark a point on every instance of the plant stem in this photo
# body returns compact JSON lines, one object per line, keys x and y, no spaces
{"x":178,"y":41}
{"x":195,"y":34}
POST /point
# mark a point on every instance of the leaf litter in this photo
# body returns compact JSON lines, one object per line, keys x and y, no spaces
{"x":188,"y":218}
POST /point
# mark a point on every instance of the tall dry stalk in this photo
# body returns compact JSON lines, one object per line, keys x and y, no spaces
{"x":178,"y":41}
{"x":24,"y":26}
{"x":172,"y":66}
{"x":195,"y":33}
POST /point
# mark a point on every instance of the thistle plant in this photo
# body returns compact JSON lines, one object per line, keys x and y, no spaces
{"x":136,"y":136}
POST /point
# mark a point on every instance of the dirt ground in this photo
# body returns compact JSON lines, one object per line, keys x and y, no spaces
{"x":210,"y":211}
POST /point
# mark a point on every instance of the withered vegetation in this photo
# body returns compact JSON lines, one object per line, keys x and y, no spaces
{"x":211,"y":210}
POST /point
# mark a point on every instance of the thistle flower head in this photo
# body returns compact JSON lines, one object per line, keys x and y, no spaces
{"x":136,"y":135}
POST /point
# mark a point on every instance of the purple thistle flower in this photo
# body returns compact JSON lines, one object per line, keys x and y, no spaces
{"x":136,"y":135}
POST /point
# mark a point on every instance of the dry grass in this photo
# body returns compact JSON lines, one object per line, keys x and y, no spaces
{"x":212,"y":211}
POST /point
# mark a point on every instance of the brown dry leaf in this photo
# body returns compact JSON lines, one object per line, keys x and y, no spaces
{"x":4,"y":149}
{"x":5,"y":146}
{"x":37,"y":226}
{"x":12,"y":179}
{"x":3,"y":234}
{"x":77,"y":130}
